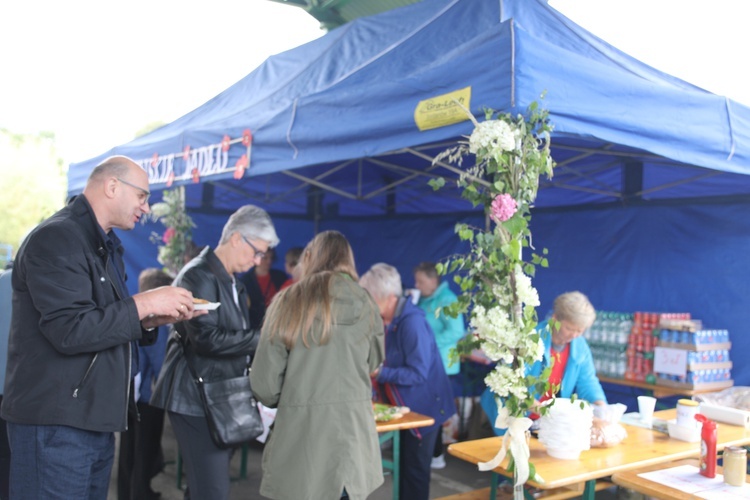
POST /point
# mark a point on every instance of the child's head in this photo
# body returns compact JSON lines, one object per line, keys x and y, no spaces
{"x":151,"y":278}
{"x":291,"y":259}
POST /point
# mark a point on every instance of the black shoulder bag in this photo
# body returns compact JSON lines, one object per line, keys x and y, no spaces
{"x":231,"y":409}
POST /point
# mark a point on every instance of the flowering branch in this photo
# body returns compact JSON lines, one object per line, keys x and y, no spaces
{"x":173,"y":242}
{"x":512,"y":153}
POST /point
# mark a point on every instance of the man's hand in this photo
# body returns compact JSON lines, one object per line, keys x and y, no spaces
{"x":163,"y":305}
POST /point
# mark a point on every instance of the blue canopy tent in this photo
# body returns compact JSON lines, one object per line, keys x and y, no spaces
{"x":645,"y":211}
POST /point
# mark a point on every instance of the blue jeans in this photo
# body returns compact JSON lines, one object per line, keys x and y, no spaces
{"x":59,"y":462}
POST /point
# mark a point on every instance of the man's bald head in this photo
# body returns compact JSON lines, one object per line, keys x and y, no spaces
{"x":114,"y":166}
{"x":117,"y":191}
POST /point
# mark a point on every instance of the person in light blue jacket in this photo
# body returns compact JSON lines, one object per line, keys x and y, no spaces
{"x":573,"y":371}
{"x":433,"y":296}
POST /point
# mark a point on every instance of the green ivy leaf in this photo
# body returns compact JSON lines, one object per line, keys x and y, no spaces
{"x":466,"y":234}
{"x":436,"y":183}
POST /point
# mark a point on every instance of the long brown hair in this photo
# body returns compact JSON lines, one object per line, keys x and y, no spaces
{"x":294,"y":309}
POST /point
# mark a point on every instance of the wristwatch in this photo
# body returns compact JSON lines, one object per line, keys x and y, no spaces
{"x":148,"y":329}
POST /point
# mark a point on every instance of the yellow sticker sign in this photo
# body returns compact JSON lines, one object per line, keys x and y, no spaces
{"x":443,"y":110}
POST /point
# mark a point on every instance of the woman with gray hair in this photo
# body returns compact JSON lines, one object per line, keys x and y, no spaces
{"x":412,"y":375}
{"x":220,"y":345}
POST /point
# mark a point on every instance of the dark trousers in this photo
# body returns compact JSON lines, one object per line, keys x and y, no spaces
{"x":59,"y":462}
{"x":206,"y":465}
{"x":416,"y":456}
{"x":438,"y":444}
{"x":141,"y":456}
{"x":4,"y":460}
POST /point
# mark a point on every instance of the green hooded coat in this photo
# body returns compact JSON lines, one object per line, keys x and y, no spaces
{"x":324,"y":438}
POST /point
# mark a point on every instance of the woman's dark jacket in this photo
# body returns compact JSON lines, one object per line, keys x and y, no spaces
{"x":69,"y":352}
{"x":219,"y":344}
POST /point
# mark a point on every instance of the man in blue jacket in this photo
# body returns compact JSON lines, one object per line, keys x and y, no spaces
{"x":412,"y":375}
{"x":70,"y":352}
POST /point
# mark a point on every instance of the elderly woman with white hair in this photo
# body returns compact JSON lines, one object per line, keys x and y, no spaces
{"x":412,"y":375}
{"x":573,"y":370}
{"x":219,"y":345}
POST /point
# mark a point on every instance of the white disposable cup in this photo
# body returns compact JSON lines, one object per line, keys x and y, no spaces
{"x":646,"y":405}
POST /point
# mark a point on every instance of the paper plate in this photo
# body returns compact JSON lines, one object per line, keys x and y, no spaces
{"x":206,"y":307}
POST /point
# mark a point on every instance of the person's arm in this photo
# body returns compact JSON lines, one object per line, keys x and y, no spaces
{"x":268,"y":370}
{"x":377,"y":345}
{"x":64,"y":288}
{"x":588,"y":386}
{"x":208,"y":334}
{"x":414,"y":340}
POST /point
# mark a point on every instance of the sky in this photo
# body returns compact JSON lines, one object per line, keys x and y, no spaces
{"x":96,"y":72}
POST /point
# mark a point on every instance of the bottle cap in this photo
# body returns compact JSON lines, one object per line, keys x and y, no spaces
{"x":687,"y":402}
{"x":707,"y":424}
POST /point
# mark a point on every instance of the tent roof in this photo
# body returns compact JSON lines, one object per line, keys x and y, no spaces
{"x":333,"y":121}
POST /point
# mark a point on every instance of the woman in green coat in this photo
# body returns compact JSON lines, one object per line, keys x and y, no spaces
{"x":321,"y":339}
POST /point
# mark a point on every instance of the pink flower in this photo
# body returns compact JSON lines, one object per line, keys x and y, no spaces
{"x":168,"y":235}
{"x":503,"y":207}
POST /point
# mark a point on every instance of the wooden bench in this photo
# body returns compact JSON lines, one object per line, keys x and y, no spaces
{"x":554,"y":494}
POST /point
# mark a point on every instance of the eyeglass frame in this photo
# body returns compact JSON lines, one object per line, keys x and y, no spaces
{"x":145,"y":192}
{"x":258,"y":253}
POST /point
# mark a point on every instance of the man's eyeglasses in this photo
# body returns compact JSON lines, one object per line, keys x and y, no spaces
{"x":144,"y":196}
{"x":258,"y":253}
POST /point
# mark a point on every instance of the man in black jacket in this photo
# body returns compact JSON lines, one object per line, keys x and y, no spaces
{"x":70,"y":352}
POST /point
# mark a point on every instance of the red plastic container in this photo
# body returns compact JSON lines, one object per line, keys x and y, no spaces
{"x":708,"y":446}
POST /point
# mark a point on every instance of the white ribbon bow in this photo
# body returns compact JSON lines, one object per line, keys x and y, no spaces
{"x":519,"y":448}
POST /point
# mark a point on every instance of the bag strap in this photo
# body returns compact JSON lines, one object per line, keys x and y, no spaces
{"x":197,"y":378}
{"x":182,"y":341}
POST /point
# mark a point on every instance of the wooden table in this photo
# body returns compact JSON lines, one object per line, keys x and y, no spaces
{"x":642,"y":448}
{"x":629,"y":479}
{"x":390,"y":431}
{"x":658,"y":391}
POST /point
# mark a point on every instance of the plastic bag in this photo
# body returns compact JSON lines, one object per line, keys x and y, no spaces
{"x":606,"y":430}
{"x":737,"y":397}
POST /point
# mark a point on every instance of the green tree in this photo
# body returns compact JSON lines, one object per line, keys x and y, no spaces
{"x":32,"y":183}
{"x":149,"y":127}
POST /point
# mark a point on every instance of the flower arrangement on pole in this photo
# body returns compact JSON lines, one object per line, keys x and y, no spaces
{"x":512,"y":153}
{"x":173,"y":242}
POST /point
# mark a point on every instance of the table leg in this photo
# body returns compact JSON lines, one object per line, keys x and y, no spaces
{"x":243,"y":462}
{"x":392,"y":465}
{"x":494,"y":479}
{"x":396,"y":463}
{"x":179,"y":470}
{"x":589,"y":493}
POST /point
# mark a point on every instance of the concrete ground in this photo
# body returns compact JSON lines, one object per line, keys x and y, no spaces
{"x":457,"y":477}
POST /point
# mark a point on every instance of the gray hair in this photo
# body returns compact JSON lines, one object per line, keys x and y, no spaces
{"x":251,"y":222}
{"x":576,"y":308}
{"x":382,"y":280}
